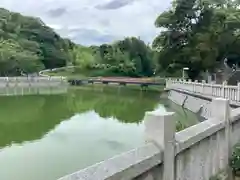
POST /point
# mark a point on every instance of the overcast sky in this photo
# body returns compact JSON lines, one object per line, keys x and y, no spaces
{"x":95,"y":21}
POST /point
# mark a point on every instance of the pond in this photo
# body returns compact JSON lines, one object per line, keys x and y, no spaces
{"x":44,"y":137}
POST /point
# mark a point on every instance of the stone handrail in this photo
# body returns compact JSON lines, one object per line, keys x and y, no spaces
{"x":128,"y":165}
{"x":214,"y":90}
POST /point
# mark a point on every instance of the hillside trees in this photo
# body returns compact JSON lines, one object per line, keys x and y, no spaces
{"x":16,"y":60}
{"x":28,"y":45}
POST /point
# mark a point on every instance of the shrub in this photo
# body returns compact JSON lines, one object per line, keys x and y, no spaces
{"x":235,"y":159}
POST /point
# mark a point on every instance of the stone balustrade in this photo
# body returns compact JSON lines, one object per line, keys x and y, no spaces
{"x":214,"y":90}
{"x":31,"y":81}
{"x":10,"y":86}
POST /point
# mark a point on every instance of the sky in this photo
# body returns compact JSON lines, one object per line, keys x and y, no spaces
{"x":93,"y":22}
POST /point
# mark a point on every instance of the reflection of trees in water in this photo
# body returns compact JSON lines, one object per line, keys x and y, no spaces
{"x":128,"y":107}
{"x":26,"y":118}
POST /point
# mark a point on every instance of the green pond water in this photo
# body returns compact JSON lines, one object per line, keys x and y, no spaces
{"x":44,"y":137}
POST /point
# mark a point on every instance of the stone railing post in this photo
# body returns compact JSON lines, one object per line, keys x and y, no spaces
{"x":7,"y":82}
{"x":223,"y":89}
{"x":190,"y":85}
{"x":195,"y":86}
{"x":62,"y":80}
{"x":203,"y":86}
{"x":238,"y":91}
{"x":221,"y":111}
{"x":160,"y":128}
{"x":168,"y":83}
{"x":180,"y":83}
{"x":211,"y":92}
{"x":49,"y":83}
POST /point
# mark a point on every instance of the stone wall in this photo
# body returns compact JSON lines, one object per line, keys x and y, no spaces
{"x":235,"y":126}
{"x":205,"y":157}
{"x":194,"y":102}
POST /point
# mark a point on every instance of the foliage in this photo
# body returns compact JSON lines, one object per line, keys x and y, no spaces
{"x":198,"y":34}
{"x":129,"y":57}
{"x":14,"y":59}
{"x":235,"y":159}
{"x":83,"y":56}
{"x":28,"y":45}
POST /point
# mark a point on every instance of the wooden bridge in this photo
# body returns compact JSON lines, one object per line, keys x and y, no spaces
{"x":143,"y":82}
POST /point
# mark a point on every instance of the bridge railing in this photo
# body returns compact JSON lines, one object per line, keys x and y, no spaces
{"x":215,"y":90}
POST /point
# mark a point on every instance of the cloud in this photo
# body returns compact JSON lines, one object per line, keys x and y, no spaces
{"x":115,"y":4}
{"x":88,"y":22}
{"x":89,"y":36}
{"x":57,"y":12}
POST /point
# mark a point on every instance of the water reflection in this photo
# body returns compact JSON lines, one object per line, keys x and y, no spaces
{"x":54,"y":135}
{"x":25,"y":118}
{"x":127,"y":106}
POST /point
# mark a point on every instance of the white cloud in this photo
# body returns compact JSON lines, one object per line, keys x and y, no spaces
{"x":94,"y":21}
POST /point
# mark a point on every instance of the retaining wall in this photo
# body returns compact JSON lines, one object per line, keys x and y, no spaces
{"x":196,"y":104}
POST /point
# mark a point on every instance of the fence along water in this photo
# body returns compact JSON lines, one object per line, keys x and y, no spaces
{"x":214,"y":90}
{"x":32,"y":85}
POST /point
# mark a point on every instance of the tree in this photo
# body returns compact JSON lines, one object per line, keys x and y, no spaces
{"x":83,"y":56}
{"x":197,"y":34}
{"x":128,"y":57}
{"x":29,"y":44}
{"x":14,"y":60}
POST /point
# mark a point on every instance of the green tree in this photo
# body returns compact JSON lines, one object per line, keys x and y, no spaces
{"x":14,"y":60}
{"x":128,"y":57}
{"x":28,"y":44}
{"x":197,"y":34}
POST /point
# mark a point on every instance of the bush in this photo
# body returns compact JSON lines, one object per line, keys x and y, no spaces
{"x":235,"y":159}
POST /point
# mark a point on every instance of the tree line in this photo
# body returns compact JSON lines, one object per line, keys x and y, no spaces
{"x":198,"y":34}
{"x":27,"y":45}
{"x":128,"y":57}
